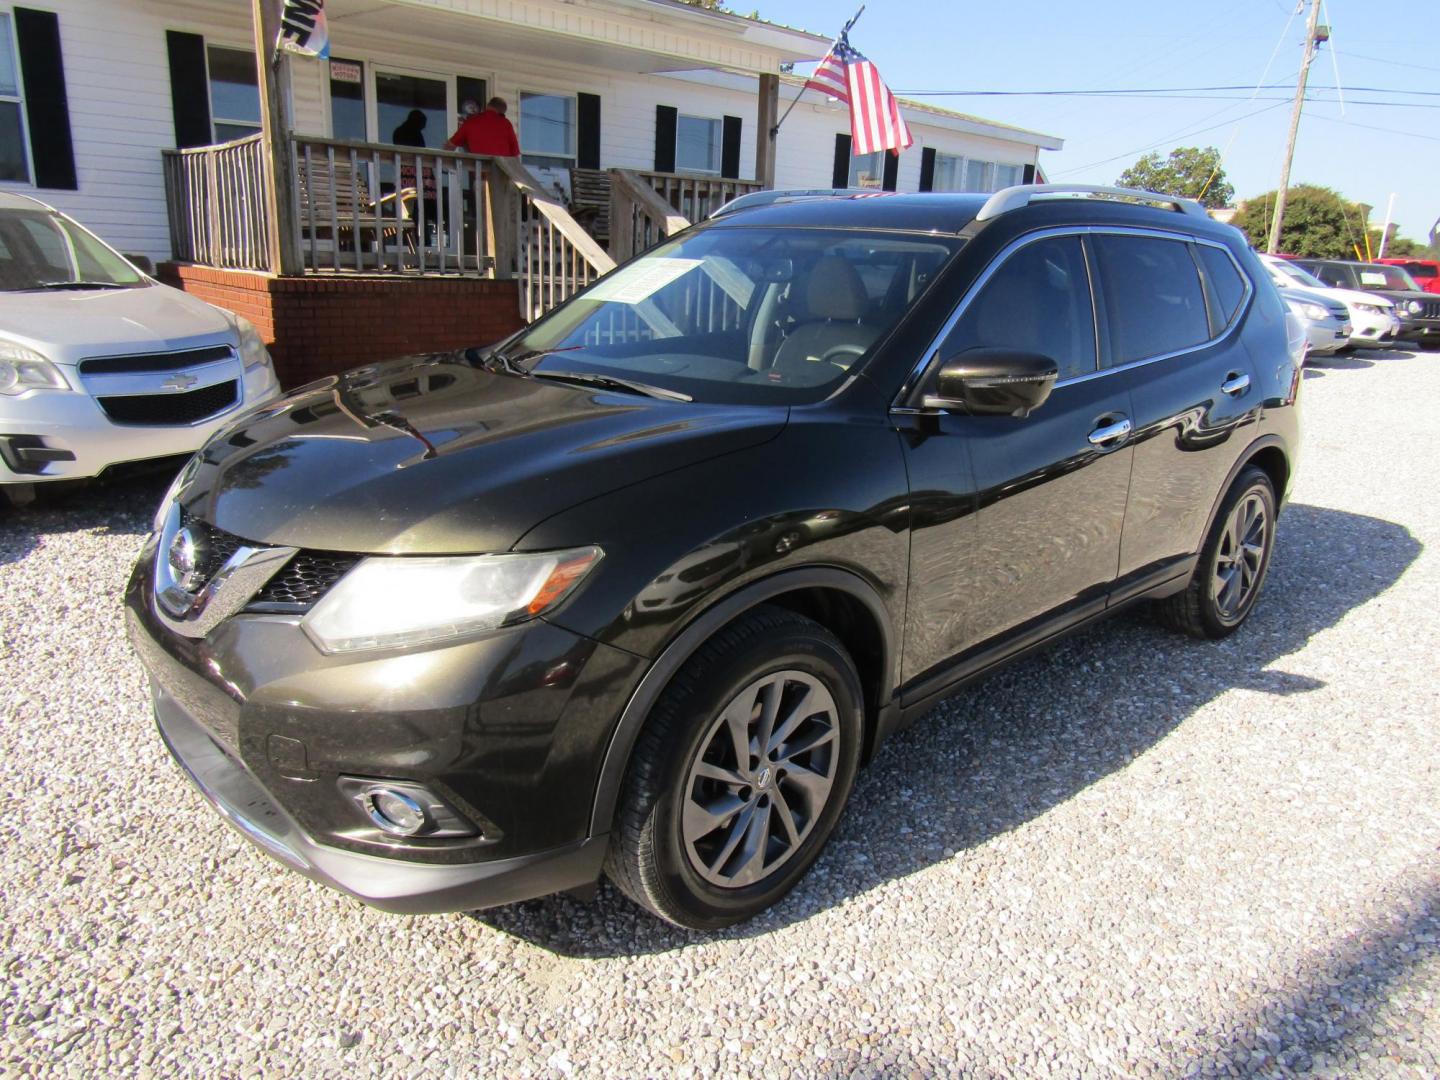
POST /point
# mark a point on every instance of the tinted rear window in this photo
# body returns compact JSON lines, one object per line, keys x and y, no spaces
{"x":1152,"y":296}
{"x":1225,"y":281}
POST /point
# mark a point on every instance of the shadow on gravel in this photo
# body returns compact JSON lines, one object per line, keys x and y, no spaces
{"x":1012,"y":746}
{"x":1327,"y":1021}
{"x":123,"y":507}
{"x":1358,"y":360}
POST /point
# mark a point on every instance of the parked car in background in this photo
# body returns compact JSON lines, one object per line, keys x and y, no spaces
{"x":1417,"y":310}
{"x":1326,"y":320}
{"x":1426,"y":272}
{"x":1372,"y":318}
{"x":101,"y":365}
{"x":637,"y":590}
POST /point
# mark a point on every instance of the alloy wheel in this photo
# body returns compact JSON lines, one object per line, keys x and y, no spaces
{"x":761,"y":780}
{"x":1240,"y":558}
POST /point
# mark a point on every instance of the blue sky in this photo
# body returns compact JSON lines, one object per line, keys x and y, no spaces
{"x":1124,"y":44}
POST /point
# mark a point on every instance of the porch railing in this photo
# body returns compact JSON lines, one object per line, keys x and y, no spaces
{"x":216,"y":200}
{"x":646,"y":207}
{"x":370,"y":208}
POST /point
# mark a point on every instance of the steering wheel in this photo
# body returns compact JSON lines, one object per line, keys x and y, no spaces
{"x":853,"y":352}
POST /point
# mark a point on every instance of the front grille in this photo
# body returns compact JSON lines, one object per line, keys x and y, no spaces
{"x":303,"y":581}
{"x":152,"y":362}
{"x":1431,"y":309}
{"x":298,"y":585}
{"x":157,"y":409}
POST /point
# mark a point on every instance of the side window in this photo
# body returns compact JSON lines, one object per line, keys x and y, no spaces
{"x":1227,"y":287}
{"x":1039,"y":301}
{"x":1331,"y":275}
{"x":1152,"y":296}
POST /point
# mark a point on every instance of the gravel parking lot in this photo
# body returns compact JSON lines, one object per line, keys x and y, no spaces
{"x":1136,"y":854}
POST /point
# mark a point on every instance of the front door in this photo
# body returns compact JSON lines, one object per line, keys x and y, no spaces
{"x":1017,"y":520}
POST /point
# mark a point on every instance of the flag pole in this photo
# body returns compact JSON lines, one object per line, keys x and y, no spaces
{"x":843,"y":31}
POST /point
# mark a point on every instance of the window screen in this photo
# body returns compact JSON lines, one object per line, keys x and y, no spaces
{"x":1038,"y":301}
{"x":1226,"y":285}
{"x":1152,"y":296}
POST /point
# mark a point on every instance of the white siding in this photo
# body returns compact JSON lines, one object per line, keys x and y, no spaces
{"x":118,"y":85}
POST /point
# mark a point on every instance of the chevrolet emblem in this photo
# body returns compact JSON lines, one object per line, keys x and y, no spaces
{"x":180,"y":382}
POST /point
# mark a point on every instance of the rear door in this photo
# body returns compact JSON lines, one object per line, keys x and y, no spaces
{"x":1016,"y":520}
{"x":1172,"y":307}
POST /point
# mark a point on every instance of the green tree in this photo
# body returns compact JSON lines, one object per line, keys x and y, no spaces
{"x":1189,"y":171}
{"x":1319,"y":223}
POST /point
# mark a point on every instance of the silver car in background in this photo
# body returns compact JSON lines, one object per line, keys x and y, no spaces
{"x":1372,"y":318}
{"x":1327,"y":322}
{"x":101,"y":365}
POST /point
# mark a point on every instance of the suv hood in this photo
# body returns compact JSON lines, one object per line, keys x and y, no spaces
{"x":68,"y":325}
{"x":1345,"y":296}
{"x":434,"y":455}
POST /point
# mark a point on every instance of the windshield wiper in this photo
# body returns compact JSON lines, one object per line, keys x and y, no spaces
{"x":611,"y":382}
{"x":80,"y":285}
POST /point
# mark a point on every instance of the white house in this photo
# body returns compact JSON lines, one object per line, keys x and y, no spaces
{"x":605,"y":94}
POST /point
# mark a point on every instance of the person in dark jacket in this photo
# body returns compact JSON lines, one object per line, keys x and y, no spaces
{"x":412,"y":131}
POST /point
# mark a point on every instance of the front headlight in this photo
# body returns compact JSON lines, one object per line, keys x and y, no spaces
{"x":393,"y":601}
{"x":23,"y":369}
{"x":253,"y":353}
{"x":1314,"y":311}
{"x":1414,"y":307}
{"x":1369,"y":309}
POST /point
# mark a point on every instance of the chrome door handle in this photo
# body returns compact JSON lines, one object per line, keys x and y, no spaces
{"x":1110,"y":434}
{"x":1235,"y":384}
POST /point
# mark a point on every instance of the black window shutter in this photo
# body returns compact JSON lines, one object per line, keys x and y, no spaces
{"x":840,"y":177}
{"x":587,"y":140}
{"x":1028,"y":176}
{"x":666,"y":118}
{"x":730,"y":147}
{"x":47,"y":112}
{"x":927,"y":169}
{"x":189,"y":89}
{"x":892,"y":171}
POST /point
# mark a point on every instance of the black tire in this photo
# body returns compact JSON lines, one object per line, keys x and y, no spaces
{"x":1198,"y":610}
{"x":650,"y":859}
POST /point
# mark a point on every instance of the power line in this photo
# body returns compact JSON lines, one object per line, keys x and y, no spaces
{"x":1169,"y":138}
{"x":1373,"y":127}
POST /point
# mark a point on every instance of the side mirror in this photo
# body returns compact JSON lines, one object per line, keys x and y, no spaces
{"x":993,"y":382}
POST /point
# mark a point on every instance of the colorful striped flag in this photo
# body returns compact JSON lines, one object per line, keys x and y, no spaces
{"x":875,"y":120}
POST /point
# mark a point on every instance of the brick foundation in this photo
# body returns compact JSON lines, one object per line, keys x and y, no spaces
{"x":321,"y":326}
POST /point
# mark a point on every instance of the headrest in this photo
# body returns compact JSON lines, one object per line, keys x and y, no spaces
{"x":834,"y":290}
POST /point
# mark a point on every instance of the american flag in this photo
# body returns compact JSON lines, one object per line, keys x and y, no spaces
{"x":875,"y":120}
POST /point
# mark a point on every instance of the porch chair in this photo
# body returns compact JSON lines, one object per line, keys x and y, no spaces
{"x":590,"y":202}
{"x":353,"y":203}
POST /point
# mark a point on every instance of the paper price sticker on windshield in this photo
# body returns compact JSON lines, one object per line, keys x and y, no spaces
{"x":641,"y":281}
{"x":1372,"y":277}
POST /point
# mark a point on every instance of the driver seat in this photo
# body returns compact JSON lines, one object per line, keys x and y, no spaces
{"x":834,"y":303}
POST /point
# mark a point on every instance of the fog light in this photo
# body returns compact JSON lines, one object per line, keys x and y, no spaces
{"x":395,"y":812}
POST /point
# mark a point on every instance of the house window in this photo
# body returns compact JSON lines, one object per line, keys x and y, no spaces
{"x":13,"y":162}
{"x":1006,"y":176}
{"x":949,"y":173}
{"x":547,"y":130}
{"x":697,"y":144}
{"x":867,"y":170}
{"x":347,"y":99}
{"x":979,"y":175}
{"x":234,"y":93}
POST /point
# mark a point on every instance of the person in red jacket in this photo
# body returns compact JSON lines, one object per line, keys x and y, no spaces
{"x":487,"y":132}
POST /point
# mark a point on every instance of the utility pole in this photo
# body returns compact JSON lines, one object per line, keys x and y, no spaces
{"x":1310,"y":42}
{"x":1385,"y":232}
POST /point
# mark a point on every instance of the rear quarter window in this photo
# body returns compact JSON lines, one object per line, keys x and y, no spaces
{"x":1153,"y":297}
{"x":1227,"y":286}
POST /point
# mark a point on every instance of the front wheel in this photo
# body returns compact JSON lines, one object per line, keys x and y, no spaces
{"x":740,"y":774}
{"x":1233,"y":562}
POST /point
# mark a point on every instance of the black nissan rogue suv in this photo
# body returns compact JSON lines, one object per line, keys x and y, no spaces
{"x":637,"y":591}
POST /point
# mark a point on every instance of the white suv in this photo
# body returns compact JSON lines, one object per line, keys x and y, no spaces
{"x":101,"y":364}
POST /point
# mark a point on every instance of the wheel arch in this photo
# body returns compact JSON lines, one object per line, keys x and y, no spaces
{"x":841,"y":601}
{"x":1271,"y":455}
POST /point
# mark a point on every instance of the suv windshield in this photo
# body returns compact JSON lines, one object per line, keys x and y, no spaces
{"x":1295,"y":275}
{"x":738,"y":315}
{"x":1377,"y":276}
{"x":42,"y":250}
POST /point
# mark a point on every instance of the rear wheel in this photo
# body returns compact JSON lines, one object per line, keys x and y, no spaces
{"x":741,"y":773}
{"x":1233,"y":562}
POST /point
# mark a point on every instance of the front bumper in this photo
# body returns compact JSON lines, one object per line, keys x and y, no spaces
{"x":1374,"y":331}
{"x":508,"y":729}
{"x":388,"y":884}
{"x":83,"y":442}
{"x":1413,"y":329}
{"x":1327,"y":335}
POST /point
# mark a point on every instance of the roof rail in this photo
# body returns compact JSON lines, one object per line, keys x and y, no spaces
{"x":1013,"y":198}
{"x":771,"y":196}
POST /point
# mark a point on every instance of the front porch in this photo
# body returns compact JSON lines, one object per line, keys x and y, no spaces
{"x":297,"y":177}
